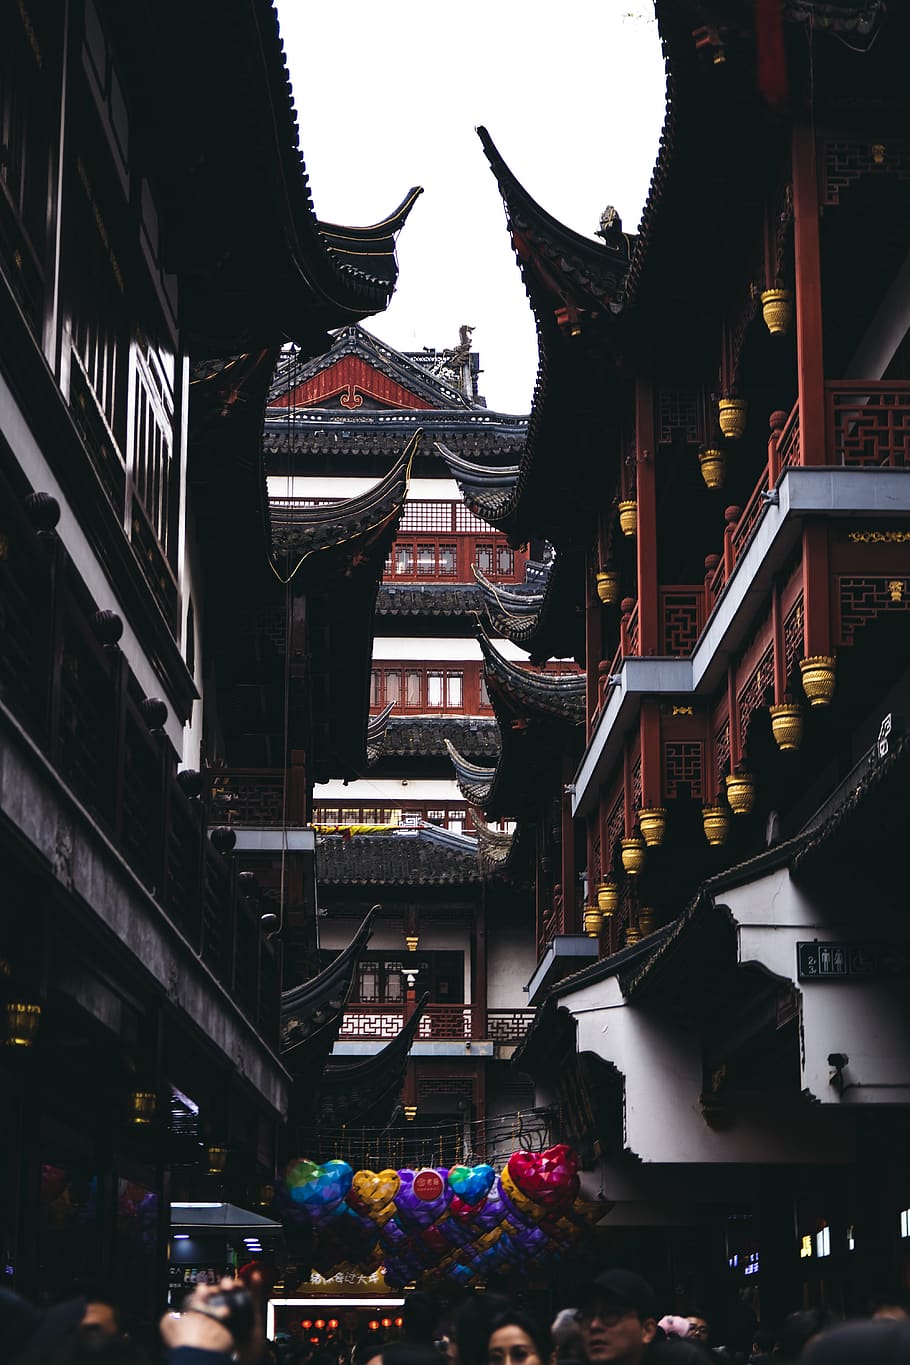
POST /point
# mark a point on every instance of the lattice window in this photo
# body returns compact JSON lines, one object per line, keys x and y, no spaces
{"x":752,"y":694}
{"x":683,"y":768}
{"x":616,"y":826}
{"x":594,"y":871}
{"x":845,"y":162}
{"x":870,"y":428}
{"x":419,"y":516}
{"x":681,"y":620}
{"x":861,"y":600}
{"x":678,"y":412}
{"x":465,"y":520}
{"x":636,"y":783}
{"x":722,"y":753}
{"x":793,"y":635}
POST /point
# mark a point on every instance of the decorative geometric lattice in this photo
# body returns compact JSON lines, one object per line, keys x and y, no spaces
{"x":860,"y":600}
{"x":636,"y":783}
{"x":678,"y":412}
{"x":752,"y":694}
{"x":684,"y":764}
{"x":871,"y":427}
{"x":594,"y":871}
{"x":793,"y":635}
{"x":445,"y":1085}
{"x":722,"y":753}
{"x":680,"y":620}
{"x":421,"y":515}
{"x":616,"y":828}
{"x":845,"y":162}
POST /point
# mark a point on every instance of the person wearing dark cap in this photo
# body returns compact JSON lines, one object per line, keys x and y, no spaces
{"x":619,"y":1325}
{"x":28,"y":1335}
{"x":880,"y":1342}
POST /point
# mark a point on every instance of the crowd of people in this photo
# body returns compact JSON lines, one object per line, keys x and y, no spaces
{"x":616,"y":1321}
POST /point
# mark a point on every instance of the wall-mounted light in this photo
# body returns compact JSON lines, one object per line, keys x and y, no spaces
{"x":217,"y":1160}
{"x":410,"y":1112}
{"x":22,"y":1020}
{"x":411,"y":941}
{"x":142,"y":1106}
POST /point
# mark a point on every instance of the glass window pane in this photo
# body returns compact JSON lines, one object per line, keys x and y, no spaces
{"x":374,"y":687}
{"x":412,"y":688}
{"x":483,"y":558}
{"x":393,"y":685}
{"x":453,"y":689}
{"x":426,"y":559}
{"x":404,"y":559}
{"x":505,"y":560}
{"x":434,"y":689}
{"x":448,"y":559}
{"x":393,"y":986}
{"x":456,"y":821}
{"x":369,"y":984}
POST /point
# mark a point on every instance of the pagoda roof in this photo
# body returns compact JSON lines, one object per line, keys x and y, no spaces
{"x":311,"y":1013}
{"x":430,"y":600}
{"x":421,"y":856}
{"x":356,"y":352}
{"x":534,"y":711}
{"x":359,"y":530}
{"x":255,"y":264}
{"x":542,"y":614}
{"x":576,"y":288}
{"x":424,"y":737}
{"x":493,"y":845}
{"x":364,"y":1093}
{"x":328,"y":438}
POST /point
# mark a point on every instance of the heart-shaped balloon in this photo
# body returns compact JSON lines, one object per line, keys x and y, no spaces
{"x":372,"y":1193}
{"x":318,"y":1187}
{"x":472,"y":1183}
{"x":415,"y":1209}
{"x":547,"y":1178}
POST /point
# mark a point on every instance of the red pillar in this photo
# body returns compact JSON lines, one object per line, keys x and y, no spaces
{"x":809,"y":348}
{"x":593,"y":650}
{"x":646,"y":545}
{"x":567,"y":854}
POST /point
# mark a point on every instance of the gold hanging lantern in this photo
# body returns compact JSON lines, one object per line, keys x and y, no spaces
{"x":647,"y":921}
{"x":608,"y":897}
{"x":22,"y":1020}
{"x":652,"y":821}
{"x":633,"y":855}
{"x":608,"y":588}
{"x":593,"y":920}
{"x":741,"y":793}
{"x":410,"y":1112}
{"x":777,"y":310}
{"x":818,"y":679}
{"x":716,"y":822}
{"x":142,"y":1106}
{"x":787,"y":725}
{"x":731,"y":417}
{"x":633,"y":935}
{"x":628,"y":517}
{"x":713,"y":465}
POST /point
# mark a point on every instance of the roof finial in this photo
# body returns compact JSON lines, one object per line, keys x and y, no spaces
{"x":610,"y":225}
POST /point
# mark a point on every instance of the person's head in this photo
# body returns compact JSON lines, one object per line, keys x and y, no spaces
{"x":517,"y":1339}
{"x":893,"y":1305}
{"x":365,"y":1350}
{"x":102,"y":1316}
{"x":565,"y":1330}
{"x":618,"y":1318}
{"x":472,"y":1327}
{"x":886,"y":1342}
{"x":27,"y":1334}
{"x":799,"y":1329}
{"x":419,"y":1315}
{"x":699,"y":1328}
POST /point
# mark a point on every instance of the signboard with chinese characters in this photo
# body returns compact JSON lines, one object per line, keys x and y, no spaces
{"x":849,"y":961}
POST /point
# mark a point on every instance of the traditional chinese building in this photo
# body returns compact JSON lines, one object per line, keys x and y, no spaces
{"x":150,"y":269}
{"x":394,"y":827}
{"x":718,"y":453}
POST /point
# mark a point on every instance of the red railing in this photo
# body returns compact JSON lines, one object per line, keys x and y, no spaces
{"x":789,"y":448}
{"x":868,"y":423}
{"x":439,"y":1023}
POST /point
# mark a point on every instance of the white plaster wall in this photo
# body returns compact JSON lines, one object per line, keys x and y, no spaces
{"x":389,"y":791}
{"x":865,"y":1019}
{"x":662,"y":1070}
{"x":511,"y":959}
{"x":395,"y":647}
{"x":338,"y":486}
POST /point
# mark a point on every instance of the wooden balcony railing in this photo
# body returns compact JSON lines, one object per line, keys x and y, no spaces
{"x":256,"y":797}
{"x":868,"y":423}
{"x":439,"y":1023}
{"x":71,"y":689}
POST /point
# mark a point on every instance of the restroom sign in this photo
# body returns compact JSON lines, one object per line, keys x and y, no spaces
{"x":849,"y":961}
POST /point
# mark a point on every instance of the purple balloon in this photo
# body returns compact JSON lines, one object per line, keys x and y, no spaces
{"x":416,"y":1212}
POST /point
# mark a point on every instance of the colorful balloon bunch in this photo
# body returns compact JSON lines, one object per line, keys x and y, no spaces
{"x":463,"y":1224}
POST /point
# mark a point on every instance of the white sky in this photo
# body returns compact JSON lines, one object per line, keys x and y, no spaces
{"x":388,"y":96}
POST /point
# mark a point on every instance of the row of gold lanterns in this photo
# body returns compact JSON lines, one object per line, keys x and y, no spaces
{"x":732,"y":412}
